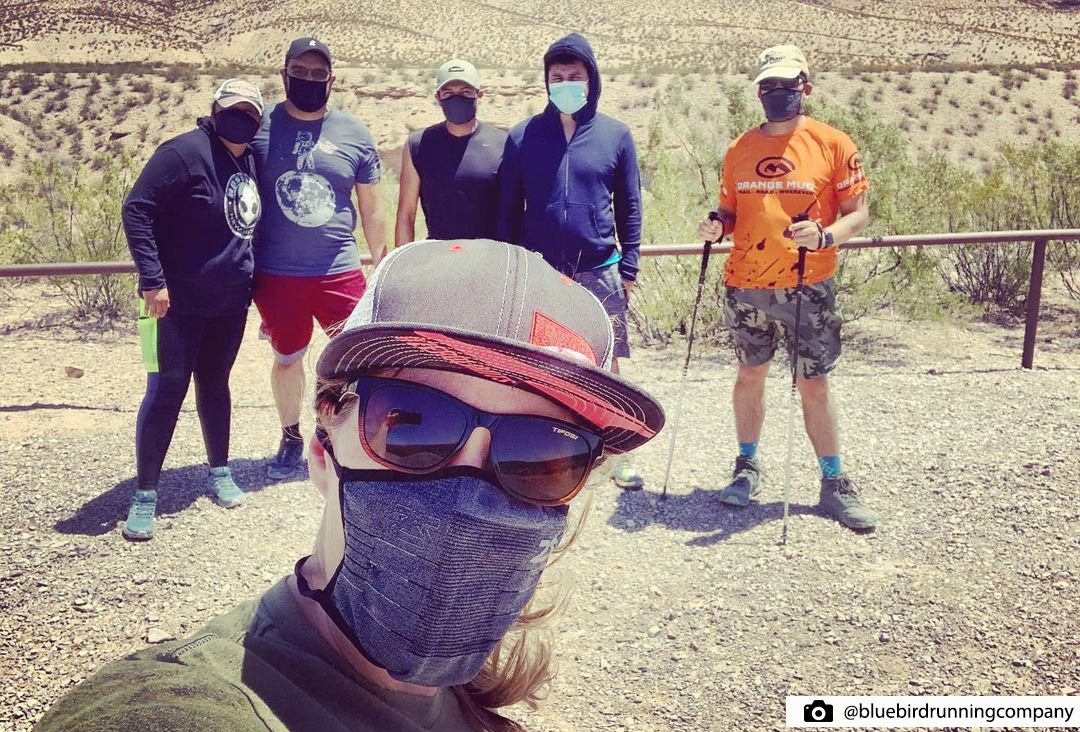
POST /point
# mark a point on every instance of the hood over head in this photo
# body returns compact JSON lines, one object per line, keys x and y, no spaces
{"x":575,"y":45}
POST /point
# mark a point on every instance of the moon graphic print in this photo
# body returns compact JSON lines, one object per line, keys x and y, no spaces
{"x":243,"y":207}
{"x":305,"y":197}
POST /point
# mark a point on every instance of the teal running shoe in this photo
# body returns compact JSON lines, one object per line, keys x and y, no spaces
{"x":227,"y":493}
{"x":628,"y":479}
{"x":140,"y":519}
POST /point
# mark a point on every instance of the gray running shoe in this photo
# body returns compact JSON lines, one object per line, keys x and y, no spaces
{"x":840,"y":500}
{"x":287,"y":461}
{"x":745,"y":482}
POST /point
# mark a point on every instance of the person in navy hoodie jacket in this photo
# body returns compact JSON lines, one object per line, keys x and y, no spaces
{"x":571,"y":191}
{"x":189,"y":221}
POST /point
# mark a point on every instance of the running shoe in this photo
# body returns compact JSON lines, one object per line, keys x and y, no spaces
{"x":140,"y":519}
{"x":745,"y":482}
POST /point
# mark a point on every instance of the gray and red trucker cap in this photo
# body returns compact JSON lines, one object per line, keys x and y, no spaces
{"x":498,"y":312}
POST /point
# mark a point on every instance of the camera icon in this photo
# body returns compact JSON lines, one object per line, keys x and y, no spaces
{"x":818,"y":711}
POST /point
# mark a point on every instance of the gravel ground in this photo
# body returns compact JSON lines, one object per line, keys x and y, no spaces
{"x":686,"y":614}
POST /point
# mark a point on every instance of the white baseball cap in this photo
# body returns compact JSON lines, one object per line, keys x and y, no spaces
{"x":781,"y":62}
{"x":457,"y":70}
{"x":235,"y":91}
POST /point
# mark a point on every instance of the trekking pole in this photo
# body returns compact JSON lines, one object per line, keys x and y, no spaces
{"x":801,"y":268}
{"x":713,"y":216}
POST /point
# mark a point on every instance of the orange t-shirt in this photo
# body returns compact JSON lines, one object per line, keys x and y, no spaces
{"x":768,"y":180}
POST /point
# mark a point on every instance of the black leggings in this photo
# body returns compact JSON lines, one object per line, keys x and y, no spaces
{"x":188,"y":344}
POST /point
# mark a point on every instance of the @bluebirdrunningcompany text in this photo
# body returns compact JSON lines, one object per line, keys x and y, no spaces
{"x":932,"y":711}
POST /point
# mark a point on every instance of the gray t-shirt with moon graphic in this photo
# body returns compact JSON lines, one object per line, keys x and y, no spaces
{"x":307,"y":173}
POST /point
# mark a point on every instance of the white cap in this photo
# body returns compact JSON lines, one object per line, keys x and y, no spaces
{"x":235,"y":91}
{"x":457,"y":70}
{"x":781,"y":62}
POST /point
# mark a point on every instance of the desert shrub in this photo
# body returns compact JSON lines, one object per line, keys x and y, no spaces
{"x":179,"y":72}
{"x":60,"y":214}
{"x":25,"y":83}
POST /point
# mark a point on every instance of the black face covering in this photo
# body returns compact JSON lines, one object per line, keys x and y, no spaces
{"x":782,"y":104}
{"x":459,"y":109}
{"x":235,"y":126}
{"x":307,"y":95}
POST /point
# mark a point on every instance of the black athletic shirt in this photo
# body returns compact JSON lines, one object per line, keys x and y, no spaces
{"x":189,"y":221}
{"x":459,"y":180}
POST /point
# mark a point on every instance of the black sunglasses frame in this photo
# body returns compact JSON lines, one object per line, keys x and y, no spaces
{"x":767,"y":85}
{"x":362,"y":388}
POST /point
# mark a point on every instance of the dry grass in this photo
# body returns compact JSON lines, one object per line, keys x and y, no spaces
{"x":94,"y":108}
{"x":682,"y":35}
{"x":86,"y":77}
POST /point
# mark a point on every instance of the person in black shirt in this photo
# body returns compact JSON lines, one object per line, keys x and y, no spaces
{"x":189,"y":221}
{"x":452,"y":167}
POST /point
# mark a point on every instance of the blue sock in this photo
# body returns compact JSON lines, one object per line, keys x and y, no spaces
{"x":747,"y":449}
{"x":830,"y":466}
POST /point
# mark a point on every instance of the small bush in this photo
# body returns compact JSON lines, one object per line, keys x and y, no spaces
{"x":62,"y":215}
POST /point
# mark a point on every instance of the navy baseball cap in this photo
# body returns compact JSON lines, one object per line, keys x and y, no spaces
{"x":303,"y":45}
{"x":498,"y":312}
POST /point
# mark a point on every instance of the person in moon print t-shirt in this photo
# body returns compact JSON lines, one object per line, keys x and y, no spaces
{"x":311,"y":159}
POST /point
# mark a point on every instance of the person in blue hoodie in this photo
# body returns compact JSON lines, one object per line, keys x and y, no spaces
{"x":189,"y":221}
{"x":571,"y":191}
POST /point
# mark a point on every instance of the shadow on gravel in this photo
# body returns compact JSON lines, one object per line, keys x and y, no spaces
{"x":35,"y":406}
{"x":179,"y":488}
{"x":701,"y":511}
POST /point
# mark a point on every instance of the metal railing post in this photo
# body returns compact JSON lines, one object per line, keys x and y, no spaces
{"x":1038,"y":260}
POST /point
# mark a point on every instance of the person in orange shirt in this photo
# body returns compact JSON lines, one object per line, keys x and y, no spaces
{"x":791,"y":182}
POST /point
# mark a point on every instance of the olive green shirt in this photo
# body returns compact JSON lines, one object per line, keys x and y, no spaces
{"x":260,"y":667}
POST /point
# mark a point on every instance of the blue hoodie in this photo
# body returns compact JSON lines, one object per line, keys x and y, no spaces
{"x":572,"y":201}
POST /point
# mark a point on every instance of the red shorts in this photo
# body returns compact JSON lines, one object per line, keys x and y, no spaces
{"x":287,"y":304}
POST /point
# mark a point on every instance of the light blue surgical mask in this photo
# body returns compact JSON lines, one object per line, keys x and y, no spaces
{"x":568,"y":96}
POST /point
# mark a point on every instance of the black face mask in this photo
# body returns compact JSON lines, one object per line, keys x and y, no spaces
{"x":307,"y":95}
{"x":459,"y":109}
{"x":235,"y":126}
{"x":782,"y":104}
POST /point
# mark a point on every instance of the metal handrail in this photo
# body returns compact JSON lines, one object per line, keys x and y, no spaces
{"x":1040,"y":237}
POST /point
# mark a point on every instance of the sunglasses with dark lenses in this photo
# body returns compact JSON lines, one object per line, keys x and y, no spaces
{"x":418,"y":429}
{"x":769,"y":85}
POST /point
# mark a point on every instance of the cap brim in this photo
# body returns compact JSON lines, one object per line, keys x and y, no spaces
{"x":226,"y":102}
{"x":452,"y":80}
{"x":778,"y":72}
{"x":625,"y":415}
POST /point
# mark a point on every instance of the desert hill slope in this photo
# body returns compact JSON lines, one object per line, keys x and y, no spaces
{"x":675,"y":34}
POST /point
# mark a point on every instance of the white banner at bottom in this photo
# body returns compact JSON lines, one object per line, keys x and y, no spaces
{"x":933,"y":711}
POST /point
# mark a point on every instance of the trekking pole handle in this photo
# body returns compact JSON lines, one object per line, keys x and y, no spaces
{"x":713,"y":216}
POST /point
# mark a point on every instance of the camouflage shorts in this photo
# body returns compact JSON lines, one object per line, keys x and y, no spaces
{"x":607,"y":285}
{"x":753,"y":317}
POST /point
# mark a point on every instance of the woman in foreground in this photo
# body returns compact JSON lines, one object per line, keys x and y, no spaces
{"x":461,"y":408}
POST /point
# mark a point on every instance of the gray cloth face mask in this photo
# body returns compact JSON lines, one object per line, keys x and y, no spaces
{"x":436,"y":569}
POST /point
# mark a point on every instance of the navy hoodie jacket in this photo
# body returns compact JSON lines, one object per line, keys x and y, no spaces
{"x":572,"y":202}
{"x":189,"y":220}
